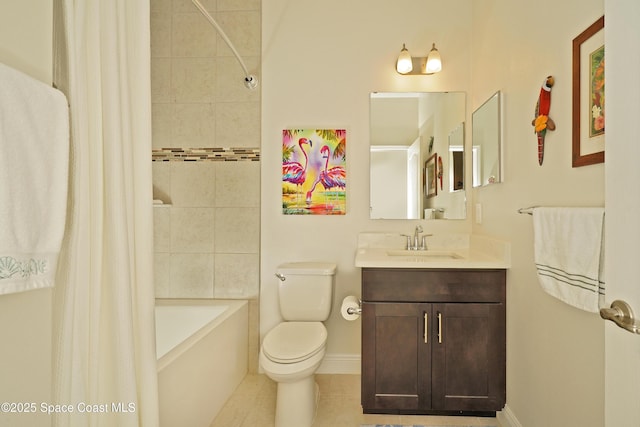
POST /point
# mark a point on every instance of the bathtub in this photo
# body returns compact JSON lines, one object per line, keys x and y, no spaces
{"x":202,"y":349}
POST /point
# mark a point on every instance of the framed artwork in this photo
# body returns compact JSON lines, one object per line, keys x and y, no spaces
{"x":588,"y":96}
{"x":314,"y":176}
{"x":431,"y":176}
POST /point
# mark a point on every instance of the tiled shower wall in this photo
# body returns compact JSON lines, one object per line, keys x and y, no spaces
{"x":207,"y":240}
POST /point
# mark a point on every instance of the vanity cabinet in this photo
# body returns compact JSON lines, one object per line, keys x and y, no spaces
{"x":433,"y":341}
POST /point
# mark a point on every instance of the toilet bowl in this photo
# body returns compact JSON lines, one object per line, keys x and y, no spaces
{"x":291,"y":363}
{"x":293,"y":350}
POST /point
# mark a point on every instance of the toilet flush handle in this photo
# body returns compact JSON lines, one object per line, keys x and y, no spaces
{"x":281,"y":277}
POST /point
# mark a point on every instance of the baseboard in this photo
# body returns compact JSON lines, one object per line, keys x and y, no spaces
{"x":340,"y":364}
{"x":506,"y":418}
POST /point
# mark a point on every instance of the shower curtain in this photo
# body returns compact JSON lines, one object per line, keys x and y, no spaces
{"x":104,"y":347}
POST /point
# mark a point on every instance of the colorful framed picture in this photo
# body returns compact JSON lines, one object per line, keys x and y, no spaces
{"x":314,"y":175}
{"x":588,"y":96}
{"x":431,"y":176}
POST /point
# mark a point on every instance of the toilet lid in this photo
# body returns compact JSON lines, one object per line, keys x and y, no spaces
{"x":291,"y":342}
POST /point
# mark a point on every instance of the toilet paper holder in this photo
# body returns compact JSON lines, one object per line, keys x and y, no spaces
{"x":351,"y":308}
{"x":355,"y":310}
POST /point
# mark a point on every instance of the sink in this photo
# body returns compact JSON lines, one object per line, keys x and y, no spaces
{"x":425,"y":255}
{"x":403,"y":258}
{"x":449,"y":251}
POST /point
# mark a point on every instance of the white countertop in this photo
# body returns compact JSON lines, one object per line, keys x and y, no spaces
{"x":385,"y":250}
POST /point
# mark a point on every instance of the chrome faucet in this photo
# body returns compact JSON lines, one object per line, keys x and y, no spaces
{"x":414,"y":243}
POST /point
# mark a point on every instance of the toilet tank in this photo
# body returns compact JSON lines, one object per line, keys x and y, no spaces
{"x":306,"y":293}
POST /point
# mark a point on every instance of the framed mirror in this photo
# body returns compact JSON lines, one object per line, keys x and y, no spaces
{"x":417,"y":155}
{"x":486,"y":137}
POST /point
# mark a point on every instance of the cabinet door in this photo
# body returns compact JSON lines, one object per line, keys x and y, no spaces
{"x":396,"y":357}
{"x":469,"y":354}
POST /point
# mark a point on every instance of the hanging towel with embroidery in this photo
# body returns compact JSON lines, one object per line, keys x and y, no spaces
{"x":34,"y":159}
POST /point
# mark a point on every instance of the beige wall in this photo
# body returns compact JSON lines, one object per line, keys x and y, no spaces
{"x":321,"y":60}
{"x":555,"y":371}
{"x":25,"y":37}
{"x":25,"y":318}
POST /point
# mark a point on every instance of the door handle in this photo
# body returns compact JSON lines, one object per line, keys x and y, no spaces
{"x":439,"y":328}
{"x":426,"y":328}
{"x":621,"y":314}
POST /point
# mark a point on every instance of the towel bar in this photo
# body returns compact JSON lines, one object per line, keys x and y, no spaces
{"x":528,"y":211}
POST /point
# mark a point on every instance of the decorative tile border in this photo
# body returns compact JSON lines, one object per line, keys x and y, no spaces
{"x":205,"y":154}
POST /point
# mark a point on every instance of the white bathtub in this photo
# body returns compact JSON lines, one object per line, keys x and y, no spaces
{"x":202,"y":348}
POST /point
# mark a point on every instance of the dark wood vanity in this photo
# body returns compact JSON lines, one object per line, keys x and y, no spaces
{"x":433,"y":341}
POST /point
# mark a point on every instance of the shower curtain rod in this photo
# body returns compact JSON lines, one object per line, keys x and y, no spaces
{"x":250,"y":81}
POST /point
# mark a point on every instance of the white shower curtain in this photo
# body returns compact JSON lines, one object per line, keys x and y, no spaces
{"x":104,"y":347}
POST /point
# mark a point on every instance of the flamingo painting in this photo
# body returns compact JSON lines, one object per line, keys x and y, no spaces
{"x":328,"y":178}
{"x":304,"y":167}
{"x":294,"y":172}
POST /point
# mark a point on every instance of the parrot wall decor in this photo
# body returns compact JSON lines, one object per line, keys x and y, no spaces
{"x":542,"y":122}
{"x":440,"y":171}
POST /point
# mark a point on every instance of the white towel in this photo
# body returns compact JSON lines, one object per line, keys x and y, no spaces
{"x":34,"y":159}
{"x":569,"y":254}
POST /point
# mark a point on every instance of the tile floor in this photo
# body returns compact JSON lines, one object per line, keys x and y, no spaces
{"x":253,"y":404}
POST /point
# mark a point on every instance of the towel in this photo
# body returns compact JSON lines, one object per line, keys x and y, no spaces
{"x":569,"y":254}
{"x":34,"y":159}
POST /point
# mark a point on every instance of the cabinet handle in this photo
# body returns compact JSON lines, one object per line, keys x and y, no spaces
{"x":439,"y":328}
{"x":426,"y":328}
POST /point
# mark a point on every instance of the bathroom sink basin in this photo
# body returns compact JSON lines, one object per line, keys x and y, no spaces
{"x":424,"y":255}
{"x":402,"y":258}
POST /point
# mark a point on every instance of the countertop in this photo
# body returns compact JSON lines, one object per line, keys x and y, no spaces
{"x":385,"y":250}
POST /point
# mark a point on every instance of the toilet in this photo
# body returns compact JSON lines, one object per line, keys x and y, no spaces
{"x":292,"y":351}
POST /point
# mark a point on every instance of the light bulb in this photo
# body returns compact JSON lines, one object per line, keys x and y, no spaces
{"x":434,"y":63}
{"x":404,"y":64}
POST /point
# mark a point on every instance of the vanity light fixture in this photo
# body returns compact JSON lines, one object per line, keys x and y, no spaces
{"x":408,"y":65}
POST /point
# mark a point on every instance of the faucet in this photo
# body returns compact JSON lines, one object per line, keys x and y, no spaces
{"x":414,"y":243}
{"x":416,"y":235}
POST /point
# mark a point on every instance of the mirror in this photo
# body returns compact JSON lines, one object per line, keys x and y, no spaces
{"x":486,"y":140}
{"x":456,"y":159}
{"x":417,"y":155}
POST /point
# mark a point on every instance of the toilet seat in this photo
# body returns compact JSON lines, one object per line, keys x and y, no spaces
{"x":292,"y":342}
